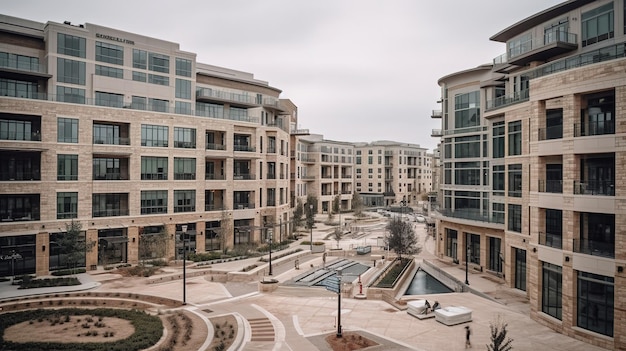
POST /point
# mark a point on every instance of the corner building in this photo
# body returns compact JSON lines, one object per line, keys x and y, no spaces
{"x":533,"y":155}
{"x":129,"y":136}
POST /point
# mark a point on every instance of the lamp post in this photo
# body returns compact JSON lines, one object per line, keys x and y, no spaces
{"x":311,"y":225}
{"x":184,"y":228}
{"x":269,"y":240}
{"x":467,"y":257}
{"x":339,"y":305}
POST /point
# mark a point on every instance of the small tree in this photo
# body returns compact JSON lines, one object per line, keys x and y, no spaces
{"x":225,"y":228}
{"x":152,"y":243}
{"x":73,"y":244}
{"x":499,"y":340}
{"x":357,"y":205}
{"x":310,"y":213}
{"x":297,"y":214}
{"x":337,"y":235}
{"x":401,"y":238}
{"x":336,"y":204}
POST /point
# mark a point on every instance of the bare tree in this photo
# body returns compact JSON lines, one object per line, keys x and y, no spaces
{"x":401,"y":238}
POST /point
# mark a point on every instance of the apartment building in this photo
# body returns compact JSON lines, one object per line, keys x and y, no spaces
{"x":130,"y":136}
{"x":532,"y":149}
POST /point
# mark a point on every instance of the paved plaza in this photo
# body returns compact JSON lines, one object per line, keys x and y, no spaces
{"x":299,"y":317}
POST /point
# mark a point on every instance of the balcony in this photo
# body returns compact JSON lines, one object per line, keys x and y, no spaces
{"x":243,"y":205}
{"x":110,"y":212}
{"x":213,"y":146}
{"x":594,"y":187}
{"x":507,"y":100}
{"x":603,"y":127}
{"x":542,"y":49}
{"x":551,"y":186}
{"x":184,"y":176}
{"x":213,"y":207}
{"x":299,"y":132}
{"x":215,"y":95}
{"x":20,"y":67}
{"x":550,"y":133}
{"x":551,"y":240}
{"x":594,"y":248}
{"x":111,"y":141}
{"x":307,"y":159}
{"x":244,"y":176}
{"x":436,"y":114}
{"x":244,"y":148}
{"x":213,"y":176}
{"x":470,"y":214}
{"x":436,"y":133}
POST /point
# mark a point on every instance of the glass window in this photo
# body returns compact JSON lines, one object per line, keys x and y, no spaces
{"x":67,"y":130}
{"x":554,"y":228}
{"x":498,"y":212}
{"x":498,"y":180}
{"x":515,"y":218}
{"x":109,"y":99}
{"x":152,"y":135}
{"x":19,"y":62}
{"x":183,"y":67}
{"x":183,"y":88}
{"x":140,"y":59}
{"x":71,"y":45}
{"x":158,"y":80}
{"x":153,"y":201}
{"x":140,"y":76}
{"x":552,"y":290}
{"x":520,"y":269}
{"x":184,"y":168}
{"x":209,"y":110}
{"x":109,"y":53}
{"x":238,"y":114}
{"x":139,"y":103}
{"x":495,"y":254}
{"x":185,"y":138}
{"x":17,"y":88}
{"x":183,"y":108}
{"x":153,"y":168}
{"x":71,"y":95}
{"x":184,"y":201}
{"x":451,"y":243}
{"x":16,"y":130}
{"x":597,"y":24}
{"x":108,"y":168}
{"x":467,"y":173}
{"x":67,"y":167}
{"x":554,"y":125}
{"x":596,"y":303}
{"x":19,"y":207}
{"x":473,"y":244}
{"x":515,"y":180}
{"x":67,"y":205}
{"x":515,"y":138}
{"x":467,"y":110}
{"x":158,"y":105}
{"x":70,"y":71}
{"x":158,"y":63}
{"x":107,"y":71}
{"x":110,"y":205}
{"x":498,"y":140}
{"x":468,"y":146}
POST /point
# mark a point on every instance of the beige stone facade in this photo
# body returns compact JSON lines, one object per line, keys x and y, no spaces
{"x":546,"y":213}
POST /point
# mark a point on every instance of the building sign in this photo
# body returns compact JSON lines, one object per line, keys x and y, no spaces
{"x":120,"y":40}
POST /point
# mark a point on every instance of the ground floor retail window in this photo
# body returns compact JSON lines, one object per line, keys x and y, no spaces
{"x":473,"y":247}
{"x":495,"y":255}
{"x":552,"y":289}
{"x":520,"y":269}
{"x":451,"y":243}
{"x":17,"y":255}
{"x":596,"y":303}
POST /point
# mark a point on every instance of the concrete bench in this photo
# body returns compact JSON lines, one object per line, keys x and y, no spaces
{"x":453,"y":315}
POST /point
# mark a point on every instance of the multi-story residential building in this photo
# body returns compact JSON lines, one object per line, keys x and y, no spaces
{"x":129,"y":136}
{"x":532,"y":152}
{"x":391,"y":173}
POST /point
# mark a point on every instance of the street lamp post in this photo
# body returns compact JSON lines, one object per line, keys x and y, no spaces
{"x":467,"y":257}
{"x":339,"y":305}
{"x":184,"y":228}
{"x":311,"y":225}
{"x":269,"y":240}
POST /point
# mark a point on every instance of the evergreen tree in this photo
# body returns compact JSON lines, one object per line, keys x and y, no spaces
{"x":73,"y":245}
{"x":297,"y":214}
{"x":357,"y":205}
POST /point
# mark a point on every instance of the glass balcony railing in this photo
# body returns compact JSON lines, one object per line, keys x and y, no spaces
{"x":595,"y":247}
{"x":594,"y":187}
{"x":244,"y":176}
{"x":213,"y":146}
{"x":551,"y":186}
{"x":594,"y":128}
{"x":550,"y":133}
{"x":213,"y":207}
{"x":508,"y":99}
{"x":243,"y":205}
{"x":538,"y":43}
{"x":470,"y":214}
{"x":213,"y":176}
{"x":551,"y":240}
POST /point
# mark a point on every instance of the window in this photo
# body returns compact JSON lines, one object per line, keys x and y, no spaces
{"x":554,"y":125}
{"x":467,"y":173}
{"x":139,"y":103}
{"x":15,"y":130}
{"x":153,"y":201}
{"x":108,"y":168}
{"x":19,"y":62}
{"x":70,"y":71}
{"x":183,"y":88}
{"x":552,"y":290}
{"x":473,"y":243}
{"x":451,"y":243}
{"x":238,"y":114}
{"x":110,"y":205}
{"x":71,"y":45}
{"x":183,"y":108}
{"x":519,"y":45}
{"x":515,"y":218}
{"x":498,"y":212}
{"x":71,"y":95}
{"x":467,"y":110}
{"x":556,"y":31}
{"x":67,"y":205}
{"x":183,"y":67}
{"x":465,"y":147}
{"x":158,"y":105}
{"x":109,"y":53}
{"x":184,"y":138}
{"x":498,"y":140}
{"x":520,"y":269}
{"x":554,"y":228}
{"x":109,"y":99}
{"x":17,"y":88}
{"x":184,"y":168}
{"x":152,"y":135}
{"x":108,"y":134}
{"x":596,"y":303}
{"x":515,"y":180}
{"x":495,"y":254}
{"x":158,"y":63}
{"x":597,"y":24}
{"x":184,"y":201}
{"x":209,"y":110}
{"x":153,"y":168}
{"x":67,"y":167}
{"x":19,"y":207}
{"x":107,"y":71}
{"x":515,"y":138}
{"x":158,"y":80}
{"x":67,"y":130}
{"x":497,"y":177}
{"x":140,"y":59}
{"x":140,"y":77}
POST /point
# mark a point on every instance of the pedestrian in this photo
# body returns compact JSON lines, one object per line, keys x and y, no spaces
{"x":468,"y":333}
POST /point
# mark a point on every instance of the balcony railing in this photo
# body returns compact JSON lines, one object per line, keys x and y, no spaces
{"x":110,"y":212}
{"x":213,"y":146}
{"x":112,"y":141}
{"x":184,"y":176}
{"x":18,"y":216}
{"x":508,"y":99}
{"x":549,"y":133}
{"x":594,"y":248}
{"x":551,"y":186}
{"x":209,"y":93}
{"x":538,"y":43}
{"x":213,"y":176}
{"x":244,"y":176}
{"x":551,"y":240}
{"x":594,"y":128}
{"x":213,"y":207}
{"x":243,"y":205}
{"x":246,"y":148}
{"x":594,"y":187}
{"x":20,"y":176}
{"x":15,"y":136}
{"x":471,"y":214}
{"x":24,"y":65}
{"x":436,"y":133}
{"x":111,"y":176}
{"x":271,"y":175}
{"x":436,"y":114}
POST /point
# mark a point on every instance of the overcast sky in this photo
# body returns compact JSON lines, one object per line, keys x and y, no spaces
{"x":358,"y":70}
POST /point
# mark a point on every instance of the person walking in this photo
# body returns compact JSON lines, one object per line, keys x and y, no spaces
{"x":468,"y":333}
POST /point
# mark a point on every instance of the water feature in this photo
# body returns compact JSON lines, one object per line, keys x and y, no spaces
{"x":424,"y":283}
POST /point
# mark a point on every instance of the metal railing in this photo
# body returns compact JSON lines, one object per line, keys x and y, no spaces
{"x":594,"y":247}
{"x":551,"y":186}
{"x":213,"y":176}
{"x":243,"y":205}
{"x":594,"y":128}
{"x":470,"y":214}
{"x":594,"y":187}
{"x":244,"y":176}
{"x":245,"y":148}
{"x":213,"y":207}
{"x":110,"y":212}
{"x":213,"y":146}
{"x":111,"y":141}
{"x":508,"y":99}
{"x":20,"y":176}
{"x":537,"y":43}
{"x":551,"y":240}
{"x":550,"y":133}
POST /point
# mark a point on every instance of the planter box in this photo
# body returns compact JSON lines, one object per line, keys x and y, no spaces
{"x":319,"y":248}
